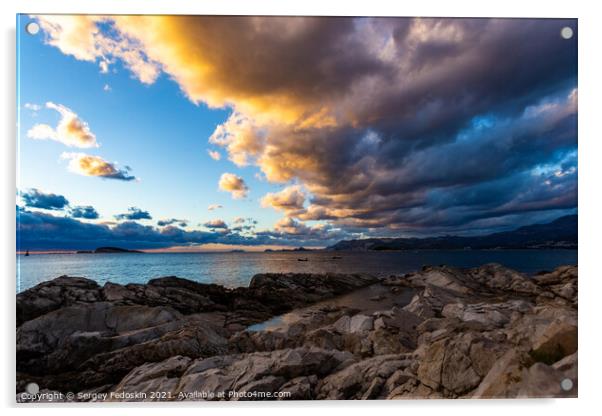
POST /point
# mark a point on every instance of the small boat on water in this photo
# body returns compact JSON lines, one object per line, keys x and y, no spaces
{"x":303,"y":259}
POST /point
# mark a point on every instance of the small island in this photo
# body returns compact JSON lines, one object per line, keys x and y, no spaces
{"x":104,"y":250}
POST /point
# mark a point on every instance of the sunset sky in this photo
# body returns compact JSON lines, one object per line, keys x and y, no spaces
{"x":204,"y":133}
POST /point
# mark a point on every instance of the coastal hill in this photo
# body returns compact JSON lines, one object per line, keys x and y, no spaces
{"x":560,"y":233}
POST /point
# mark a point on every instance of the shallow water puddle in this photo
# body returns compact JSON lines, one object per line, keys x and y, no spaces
{"x":367,"y":300}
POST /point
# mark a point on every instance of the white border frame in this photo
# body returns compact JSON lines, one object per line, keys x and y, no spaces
{"x":590,"y":68}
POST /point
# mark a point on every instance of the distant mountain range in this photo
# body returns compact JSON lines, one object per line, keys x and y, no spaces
{"x":560,"y":233}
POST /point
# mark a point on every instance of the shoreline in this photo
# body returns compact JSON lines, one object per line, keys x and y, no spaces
{"x":506,"y":335}
{"x":37,"y":253}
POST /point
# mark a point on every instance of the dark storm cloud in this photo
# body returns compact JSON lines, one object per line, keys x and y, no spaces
{"x":88,"y":212}
{"x":297,"y":233}
{"x":134,"y":214}
{"x":35,"y":198}
{"x":42,"y":231}
{"x":171,"y":221}
{"x":449,"y":109}
{"x":463,"y":172}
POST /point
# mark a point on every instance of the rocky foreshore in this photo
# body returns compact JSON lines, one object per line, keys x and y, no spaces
{"x":488,"y":332}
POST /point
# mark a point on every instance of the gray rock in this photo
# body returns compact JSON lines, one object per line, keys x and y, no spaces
{"x":366,"y":379}
{"x":54,"y":294}
{"x":361,"y":323}
{"x":272,"y":371}
{"x":483,"y":332}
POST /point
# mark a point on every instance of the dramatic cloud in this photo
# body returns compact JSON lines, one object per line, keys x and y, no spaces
{"x":89,"y":165}
{"x":215,"y":224}
{"x":289,"y":229}
{"x":234,"y":184}
{"x":80,"y":37}
{"x":71,"y":130}
{"x":163,"y":223}
{"x":397,"y":124}
{"x":214,"y":154}
{"x":42,"y":231}
{"x":35,"y":198}
{"x":213,"y":207}
{"x":134,"y":214}
{"x":290,"y":200}
{"x":241,"y":137}
{"x":87,"y":212}
{"x":290,"y":226}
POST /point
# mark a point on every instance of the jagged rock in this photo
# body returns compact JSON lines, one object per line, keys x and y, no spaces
{"x":361,"y":323}
{"x":562,"y":274}
{"x":292,"y":370}
{"x":365,"y":379}
{"x":430,"y":302}
{"x":447,"y":279}
{"x":557,"y":341}
{"x":397,"y":318}
{"x":457,"y":364}
{"x":499,"y":278}
{"x":503,"y":379}
{"x":568,"y":364}
{"x":299,"y":388}
{"x":267,"y":294}
{"x":429,"y":371}
{"x":191,"y":340}
{"x":343,"y":324}
{"x":63,"y":338}
{"x":440,"y":332}
{"x":490,"y":314}
{"x":153,"y":377}
{"x":54,"y":294}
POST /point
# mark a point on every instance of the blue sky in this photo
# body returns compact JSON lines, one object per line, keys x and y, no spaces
{"x":154,"y":129}
{"x":327,"y":128}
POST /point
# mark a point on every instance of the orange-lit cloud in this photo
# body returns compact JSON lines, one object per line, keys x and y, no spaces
{"x":241,"y":137}
{"x":80,"y":37}
{"x":288,"y":225}
{"x":89,"y":165}
{"x":71,"y":130}
{"x":216,"y":224}
{"x":234,"y":184}
{"x":290,"y":200}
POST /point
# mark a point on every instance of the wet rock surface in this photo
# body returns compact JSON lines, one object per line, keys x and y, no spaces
{"x":442,"y":332}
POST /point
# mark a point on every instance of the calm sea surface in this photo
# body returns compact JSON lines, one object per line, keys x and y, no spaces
{"x":236,"y":269}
